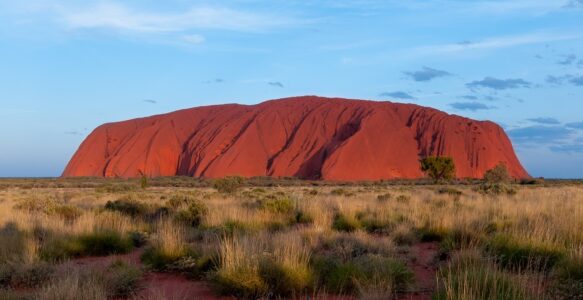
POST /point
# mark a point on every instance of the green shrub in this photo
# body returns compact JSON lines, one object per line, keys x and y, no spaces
{"x":36,"y":204}
{"x":497,"y":189}
{"x":285,"y":280}
{"x":302,"y":217}
{"x":92,"y":244}
{"x":475,"y":278}
{"x":280,"y":205}
{"x":373,"y":224}
{"x":519,"y":255}
{"x":122,"y":280}
{"x":228,"y":185}
{"x":127,"y":206}
{"x":180,"y":200}
{"x":244,"y":282}
{"x":194,"y":266}
{"x":369,"y":270}
{"x":438,"y":168}
{"x":138,"y":239}
{"x":349,"y":246}
{"x":342,"y":222}
{"x":68,"y":212}
{"x":159,"y":260}
{"x":105,"y":243}
{"x":498,"y":174}
{"x":25,"y":275}
{"x":341,"y":192}
{"x":571,"y":267}
{"x":194,"y":214}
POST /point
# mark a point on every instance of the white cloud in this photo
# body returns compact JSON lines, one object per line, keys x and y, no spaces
{"x":117,"y":16}
{"x":495,"y":43}
{"x":193,"y":38}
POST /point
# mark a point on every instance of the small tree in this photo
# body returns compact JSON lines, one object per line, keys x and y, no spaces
{"x":498,"y":174}
{"x":438,"y":168}
{"x":143,"y":180}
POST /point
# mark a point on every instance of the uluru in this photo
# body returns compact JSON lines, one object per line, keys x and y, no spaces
{"x":306,"y":137}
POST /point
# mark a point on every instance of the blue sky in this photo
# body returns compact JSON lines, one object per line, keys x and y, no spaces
{"x":69,"y":66}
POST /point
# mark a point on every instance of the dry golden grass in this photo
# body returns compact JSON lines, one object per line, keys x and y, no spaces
{"x":248,"y":244}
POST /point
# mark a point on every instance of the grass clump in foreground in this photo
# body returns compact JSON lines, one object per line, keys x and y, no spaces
{"x":362,"y":275}
{"x":469,"y":276}
{"x":122,"y":279}
{"x":512,"y":253}
{"x":345,"y":222}
{"x":32,"y":275}
{"x":253,"y":268}
{"x":98,"y":243}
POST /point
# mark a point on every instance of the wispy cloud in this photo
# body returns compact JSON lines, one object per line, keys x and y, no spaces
{"x":540,"y":134}
{"x":276,"y":84}
{"x":499,"y":84}
{"x":470,"y":106}
{"x":576,"y":125}
{"x":496,"y":43}
{"x":193,"y":38}
{"x":578,"y":81}
{"x":118,"y":16}
{"x":545,"y":120}
{"x":397,"y":95}
{"x":427,"y":74}
{"x":567,"y":60}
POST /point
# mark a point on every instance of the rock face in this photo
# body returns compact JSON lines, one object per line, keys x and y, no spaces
{"x":307,"y":137}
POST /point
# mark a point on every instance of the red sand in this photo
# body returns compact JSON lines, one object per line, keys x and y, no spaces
{"x":306,"y":137}
{"x":425,"y":271}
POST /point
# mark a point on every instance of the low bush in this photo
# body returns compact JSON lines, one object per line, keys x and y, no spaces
{"x":127,"y":206}
{"x":68,"y":212}
{"x":498,"y":174}
{"x":571,"y":267}
{"x":160,"y":260}
{"x":403,"y":198}
{"x":343,"y":222}
{"x":302,"y":217}
{"x":92,"y":244}
{"x":280,"y":205}
{"x":384,"y":197}
{"x":180,"y":200}
{"x":228,"y":185}
{"x":194,"y":214}
{"x":374,"y":224}
{"x":244,"y":282}
{"x":364,"y":272}
{"x":341,"y":192}
{"x":285,"y":279}
{"x":194,"y":266}
{"x":122,"y":280}
{"x":496,"y":189}
{"x":431,"y":234}
{"x":18,"y":276}
{"x":347,"y":246}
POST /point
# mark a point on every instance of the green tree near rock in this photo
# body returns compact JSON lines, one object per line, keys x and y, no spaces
{"x":498,"y":174}
{"x":438,"y":168}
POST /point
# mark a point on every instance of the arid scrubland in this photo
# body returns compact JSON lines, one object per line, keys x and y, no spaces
{"x":360,"y":241}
